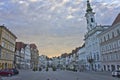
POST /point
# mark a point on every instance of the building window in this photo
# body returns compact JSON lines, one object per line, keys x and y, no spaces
{"x":3,"y":44}
{"x":92,"y":20}
{"x":117,"y":56}
{"x":104,"y":68}
{"x":107,"y":59}
{"x":118,"y":32}
{"x":90,"y":25}
{"x":97,"y":57}
{"x":104,"y":39}
{"x":110,"y":46}
{"x":94,"y":57}
{"x":119,"y":43}
{"x":101,"y":40}
{"x":108,"y":37}
{"x":108,"y":67}
{"x":113,"y":34}
{"x":98,"y":66}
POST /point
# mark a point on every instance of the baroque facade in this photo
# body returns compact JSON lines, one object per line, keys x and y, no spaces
{"x":91,"y":41}
{"x":82,"y":58}
{"x":110,"y":46}
{"x":7,"y":48}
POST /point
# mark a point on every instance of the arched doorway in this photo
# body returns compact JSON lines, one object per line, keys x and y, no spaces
{"x":104,"y":68}
{"x":2,"y":65}
{"x":118,"y":67}
{"x":112,"y":67}
{"x":108,"y":67}
{"x":5,"y":65}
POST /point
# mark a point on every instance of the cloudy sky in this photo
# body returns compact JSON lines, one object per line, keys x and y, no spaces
{"x":55,"y":26}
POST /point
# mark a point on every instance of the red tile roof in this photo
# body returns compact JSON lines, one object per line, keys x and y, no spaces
{"x":117,"y":20}
{"x":33,"y":46}
{"x":19,"y":45}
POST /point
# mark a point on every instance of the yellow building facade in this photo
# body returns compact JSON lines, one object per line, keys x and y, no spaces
{"x":7,"y":48}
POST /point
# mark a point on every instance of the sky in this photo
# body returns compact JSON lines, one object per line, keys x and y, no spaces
{"x":55,"y":26}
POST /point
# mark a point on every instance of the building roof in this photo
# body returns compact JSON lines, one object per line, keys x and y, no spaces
{"x":117,"y":20}
{"x":19,"y":46}
{"x":33,"y":46}
{"x":64,"y":55}
{"x":2,"y":26}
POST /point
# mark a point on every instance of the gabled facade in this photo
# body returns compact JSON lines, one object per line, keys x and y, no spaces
{"x":20,"y":55}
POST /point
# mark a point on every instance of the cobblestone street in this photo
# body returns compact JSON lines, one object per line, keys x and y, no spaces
{"x":61,"y":75}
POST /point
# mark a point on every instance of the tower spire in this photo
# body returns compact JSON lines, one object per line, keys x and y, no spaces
{"x":89,"y":9}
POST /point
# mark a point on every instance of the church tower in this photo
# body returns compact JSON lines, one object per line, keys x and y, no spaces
{"x":90,"y":17}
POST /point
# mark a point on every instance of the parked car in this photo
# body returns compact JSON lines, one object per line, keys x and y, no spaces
{"x":15,"y":71}
{"x":116,"y":73}
{"x":6,"y":72}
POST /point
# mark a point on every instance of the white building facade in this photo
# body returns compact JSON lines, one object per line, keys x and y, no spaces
{"x":82,"y":58}
{"x":92,"y":47}
{"x":110,"y":46}
{"x":43,"y":62}
{"x":27,"y":57}
{"x":20,"y":55}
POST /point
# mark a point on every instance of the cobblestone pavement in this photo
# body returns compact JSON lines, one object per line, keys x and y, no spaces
{"x":61,"y":75}
{"x":12,"y":78}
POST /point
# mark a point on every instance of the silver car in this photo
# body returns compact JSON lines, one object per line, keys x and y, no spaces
{"x":116,"y":73}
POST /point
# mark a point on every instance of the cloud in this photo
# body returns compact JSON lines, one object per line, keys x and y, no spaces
{"x":70,"y":17}
{"x":58,"y":24}
{"x":34,"y":0}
